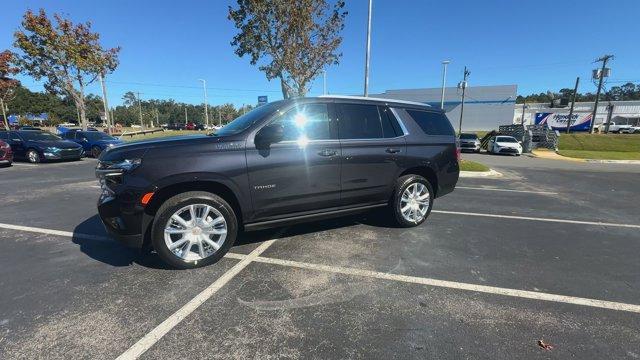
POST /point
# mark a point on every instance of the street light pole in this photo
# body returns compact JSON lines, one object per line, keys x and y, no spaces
{"x":444,"y":81}
{"x":324,"y":82}
{"x":206,"y":112}
{"x":368,"y":53}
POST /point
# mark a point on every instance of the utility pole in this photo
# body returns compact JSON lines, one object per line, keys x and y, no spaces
{"x":140,"y":111}
{"x":600,"y":77}
{"x":219,"y":116}
{"x":444,"y":81}
{"x":368,"y":52}
{"x":524,"y":108}
{"x":609,"y":114}
{"x":157,"y":118}
{"x":186,"y":118}
{"x":105,"y":104}
{"x":324,"y":82}
{"x":206,"y":111}
{"x":463,"y":85}
{"x":573,"y":103}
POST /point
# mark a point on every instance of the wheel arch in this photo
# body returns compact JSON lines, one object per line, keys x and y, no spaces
{"x":427,"y":173}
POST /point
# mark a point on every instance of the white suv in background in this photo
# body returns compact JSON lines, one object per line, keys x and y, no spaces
{"x":504,"y":145}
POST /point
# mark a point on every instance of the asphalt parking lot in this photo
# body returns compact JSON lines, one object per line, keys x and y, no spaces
{"x":547,"y":252}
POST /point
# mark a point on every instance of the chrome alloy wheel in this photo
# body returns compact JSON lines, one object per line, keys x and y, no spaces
{"x":195,"y":232}
{"x":414,"y":203}
{"x":33,"y":156}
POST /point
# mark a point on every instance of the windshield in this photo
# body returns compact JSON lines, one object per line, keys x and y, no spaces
{"x":468,"y":136}
{"x":245,"y":121}
{"x":97,"y":135}
{"x":38,"y":136}
{"x":506,"y":140}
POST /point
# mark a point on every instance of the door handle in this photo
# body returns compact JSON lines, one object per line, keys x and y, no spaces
{"x":392,"y":150}
{"x":328,"y":152}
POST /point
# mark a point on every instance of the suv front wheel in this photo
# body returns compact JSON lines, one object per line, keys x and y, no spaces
{"x":194,"y":229}
{"x":412,"y":200}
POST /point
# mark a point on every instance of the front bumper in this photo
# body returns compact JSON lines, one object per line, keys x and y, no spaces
{"x":507,"y":150}
{"x":469,"y":147}
{"x":64,"y":154}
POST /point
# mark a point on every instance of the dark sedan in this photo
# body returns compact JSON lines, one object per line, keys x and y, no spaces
{"x":36,"y":146}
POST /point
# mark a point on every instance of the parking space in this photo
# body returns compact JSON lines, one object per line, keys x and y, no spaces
{"x":500,"y":264}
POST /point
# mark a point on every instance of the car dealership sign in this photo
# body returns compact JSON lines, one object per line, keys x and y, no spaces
{"x":558,"y":121}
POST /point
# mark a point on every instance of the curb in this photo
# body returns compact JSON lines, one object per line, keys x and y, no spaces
{"x":597,"y":161}
{"x":480,"y":174}
{"x":555,"y":156}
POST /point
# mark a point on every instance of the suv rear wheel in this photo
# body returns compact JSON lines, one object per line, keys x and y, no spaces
{"x":194,"y":229}
{"x":412,"y":200}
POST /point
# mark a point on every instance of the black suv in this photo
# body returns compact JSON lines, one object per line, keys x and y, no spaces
{"x":284,"y":162}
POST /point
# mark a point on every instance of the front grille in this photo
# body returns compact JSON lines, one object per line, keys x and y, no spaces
{"x":70,"y":153}
{"x":509,"y":151}
{"x":468,"y":145}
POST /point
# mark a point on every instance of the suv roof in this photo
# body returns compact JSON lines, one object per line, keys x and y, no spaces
{"x":372,"y":99}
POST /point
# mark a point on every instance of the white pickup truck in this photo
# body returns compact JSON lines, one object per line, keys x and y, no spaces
{"x":614,"y":128}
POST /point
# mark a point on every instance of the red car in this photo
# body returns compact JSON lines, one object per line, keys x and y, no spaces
{"x":6,"y":155}
{"x":190,"y":126}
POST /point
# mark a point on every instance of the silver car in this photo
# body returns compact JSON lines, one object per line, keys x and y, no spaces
{"x":469,"y":142}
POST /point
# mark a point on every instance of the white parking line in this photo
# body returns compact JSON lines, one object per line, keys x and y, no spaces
{"x":161,"y":330}
{"x":515,"y":217}
{"x":507,"y":190}
{"x":54,"y":232}
{"x":610,"y":305}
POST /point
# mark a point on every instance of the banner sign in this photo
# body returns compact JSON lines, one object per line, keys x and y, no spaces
{"x":558,"y":121}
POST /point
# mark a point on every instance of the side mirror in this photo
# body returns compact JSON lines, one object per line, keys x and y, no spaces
{"x":269,"y":134}
{"x":84,"y":140}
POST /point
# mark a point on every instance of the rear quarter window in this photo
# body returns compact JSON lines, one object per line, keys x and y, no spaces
{"x":432,"y":123}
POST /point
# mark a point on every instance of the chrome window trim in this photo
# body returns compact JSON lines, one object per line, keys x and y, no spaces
{"x":399,"y":119}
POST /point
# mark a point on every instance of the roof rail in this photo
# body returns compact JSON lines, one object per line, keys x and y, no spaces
{"x":375,"y":99}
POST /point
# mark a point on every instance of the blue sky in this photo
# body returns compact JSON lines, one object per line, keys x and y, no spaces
{"x":541,"y":45}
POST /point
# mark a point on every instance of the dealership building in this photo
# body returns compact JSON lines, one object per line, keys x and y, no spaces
{"x":622,"y":112}
{"x":485,"y":107}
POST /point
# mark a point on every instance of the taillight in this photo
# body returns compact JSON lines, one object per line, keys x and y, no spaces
{"x":458,"y":151}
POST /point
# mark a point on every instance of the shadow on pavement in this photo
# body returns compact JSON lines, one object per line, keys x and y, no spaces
{"x":111,"y":252}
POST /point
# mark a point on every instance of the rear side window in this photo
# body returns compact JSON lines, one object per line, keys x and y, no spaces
{"x":390,"y":126}
{"x":432,"y":123}
{"x":358,"y":121}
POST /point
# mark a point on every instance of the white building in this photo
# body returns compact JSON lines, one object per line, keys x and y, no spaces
{"x":485,"y":107}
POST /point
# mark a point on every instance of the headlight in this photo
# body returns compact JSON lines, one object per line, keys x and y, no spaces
{"x":118,"y":166}
{"x":52,"y":149}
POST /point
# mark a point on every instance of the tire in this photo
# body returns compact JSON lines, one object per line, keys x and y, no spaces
{"x":95,"y":152}
{"x":192,"y":257}
{"x":33,"y":156}
{"x":402,"y":184}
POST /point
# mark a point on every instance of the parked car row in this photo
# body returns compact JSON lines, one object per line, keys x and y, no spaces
{"x":500,"y":144}
{"x":35,"y":145}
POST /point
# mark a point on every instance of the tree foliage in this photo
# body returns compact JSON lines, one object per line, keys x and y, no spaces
{"x":628,"y":91}
{"x":7,"y":83}
{"x":68,"y":55}
{"x":294,"y":38}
